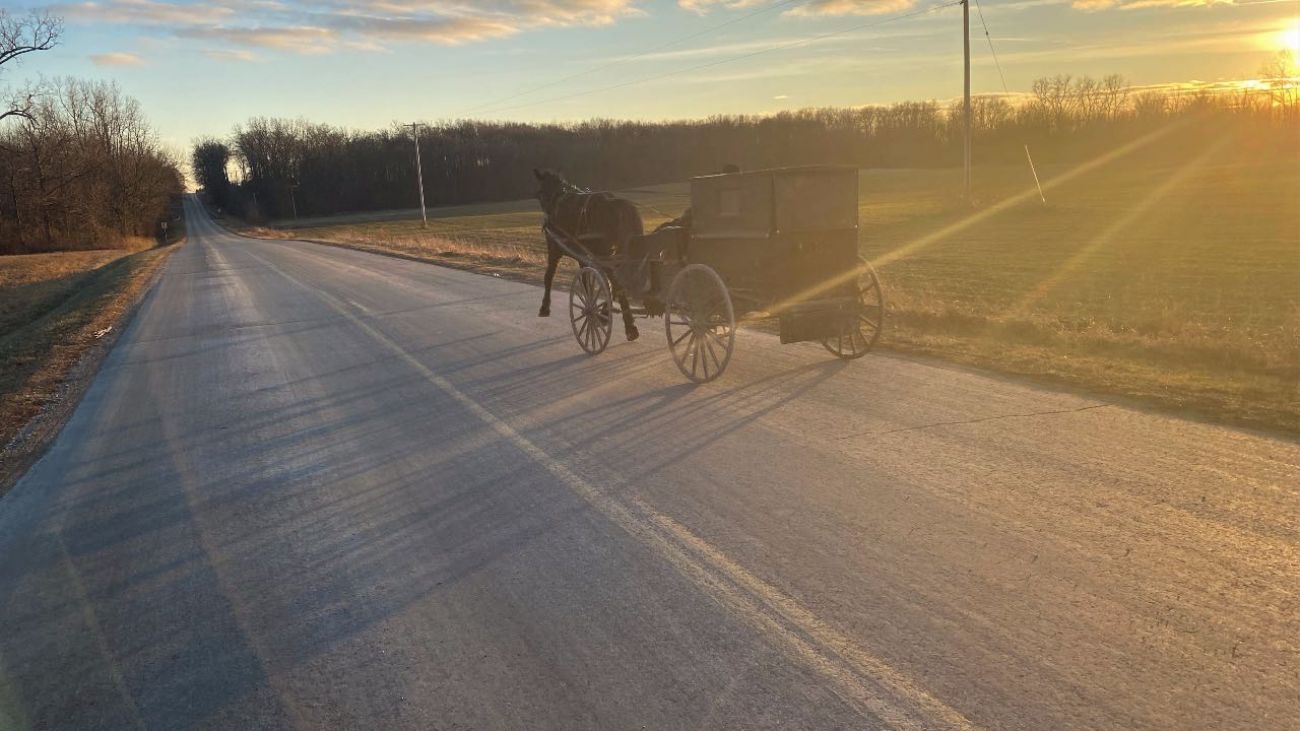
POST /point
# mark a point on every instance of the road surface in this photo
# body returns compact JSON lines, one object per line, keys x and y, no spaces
{"x":318,"y":488}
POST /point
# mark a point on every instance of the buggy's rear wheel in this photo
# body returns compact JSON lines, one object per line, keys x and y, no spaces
{"x":591,"y":308}
{"x":700,"y":323}
{"x":860,"y":330}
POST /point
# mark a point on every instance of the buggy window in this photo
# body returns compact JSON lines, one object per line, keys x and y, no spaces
{"x":732,"y":206}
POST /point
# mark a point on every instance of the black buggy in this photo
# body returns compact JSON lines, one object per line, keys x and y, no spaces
{"x":777,"y":243}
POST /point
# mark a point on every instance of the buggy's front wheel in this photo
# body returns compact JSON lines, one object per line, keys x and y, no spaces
{"x":700,"y":323}
{"x":591,"y":308}
{"x":860,"y":328}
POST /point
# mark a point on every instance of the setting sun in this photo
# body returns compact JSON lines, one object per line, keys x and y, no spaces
{"x":1289,"y":37}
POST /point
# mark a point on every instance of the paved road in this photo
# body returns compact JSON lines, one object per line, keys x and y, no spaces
{"x":318,"y":488}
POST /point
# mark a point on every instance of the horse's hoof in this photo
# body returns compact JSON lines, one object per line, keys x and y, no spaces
{"x":544,"y":312}
{"x":633,"y":334}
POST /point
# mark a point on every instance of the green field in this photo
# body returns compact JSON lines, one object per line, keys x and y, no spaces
{"x":1172,"y":283}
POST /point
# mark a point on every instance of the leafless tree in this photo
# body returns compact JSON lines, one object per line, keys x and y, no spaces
{"x":1280,"y":74}
{"x":20,"y":35}
{"x":333,"y":170}
{"x":82,"y":169}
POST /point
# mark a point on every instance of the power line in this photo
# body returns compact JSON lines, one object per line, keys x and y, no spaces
{"x":770,"y":49}
{"x":989,"y":38}
{"x":1007,"y":90}
{"x":643,"y":54}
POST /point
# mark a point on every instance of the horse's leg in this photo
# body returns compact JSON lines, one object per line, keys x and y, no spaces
{"x":553,"y":255}
{"x":628,"y":327}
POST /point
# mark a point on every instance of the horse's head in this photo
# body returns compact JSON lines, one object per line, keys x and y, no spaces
{"x":551,"y":185}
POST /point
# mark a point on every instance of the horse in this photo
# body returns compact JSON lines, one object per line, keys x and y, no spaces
{"x":603,"y":222}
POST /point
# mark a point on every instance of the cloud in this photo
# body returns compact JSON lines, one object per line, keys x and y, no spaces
{"x":1092,"y":5}
{"x":301,"y":39}
{"x":231,"y":54}
{"x":703,"y":6}
{"x":118,"y":58}
{"x":852,"y":7}
{"x":143,"y":12}
{"x":812,"y":8}
{"x":446,"y":31}
{"x":298,"y":26}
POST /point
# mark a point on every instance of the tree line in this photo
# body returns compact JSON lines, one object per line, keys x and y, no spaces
{"x":282,"y":167}
{"x":80,"y":166}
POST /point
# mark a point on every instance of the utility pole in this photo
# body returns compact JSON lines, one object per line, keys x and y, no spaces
{"x":965,"y":32}
{"x":419,"y":171}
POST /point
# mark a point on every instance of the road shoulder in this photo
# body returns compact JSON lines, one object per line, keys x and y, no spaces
{"x":49,"y":363}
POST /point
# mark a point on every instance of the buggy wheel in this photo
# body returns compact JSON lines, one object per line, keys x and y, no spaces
{"x":860,"y":331}
{"x":700,"y":323}
{"x":591,"y":310}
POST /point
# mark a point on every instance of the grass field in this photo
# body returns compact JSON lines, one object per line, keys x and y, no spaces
{"x":54,"y":308}
{"x":1173,"y":283}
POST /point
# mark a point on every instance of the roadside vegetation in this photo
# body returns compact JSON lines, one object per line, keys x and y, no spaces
{"x":278,"y":169}
{"x":55,"y":309}
{"x":89,"y":209}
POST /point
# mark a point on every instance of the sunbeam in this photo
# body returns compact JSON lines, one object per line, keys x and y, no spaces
{"x":1109,"y":234}
{"x":1028,"y":194}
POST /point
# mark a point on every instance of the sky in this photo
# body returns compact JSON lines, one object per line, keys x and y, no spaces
{"x":200,"y":68}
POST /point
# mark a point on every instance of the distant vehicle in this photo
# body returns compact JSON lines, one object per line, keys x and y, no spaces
{"x":779,"y":243}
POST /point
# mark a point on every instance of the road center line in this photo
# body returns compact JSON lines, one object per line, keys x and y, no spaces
{"x":863,"y":679}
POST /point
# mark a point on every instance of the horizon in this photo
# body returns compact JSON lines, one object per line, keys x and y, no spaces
{"x":199,"y":69}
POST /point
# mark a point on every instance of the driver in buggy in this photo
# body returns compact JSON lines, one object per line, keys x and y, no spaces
{"x":684,"y":221}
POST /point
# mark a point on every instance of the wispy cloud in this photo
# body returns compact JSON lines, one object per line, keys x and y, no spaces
{"x":118,"y":58}
{"x":809,"y":8}
{"x":304,"y":27}
{"x":231,"y":54}
{"x":301,"y":39}
{"x":143,"y":12}
{"x":1138,"y":4}
{"x":851,"y":7}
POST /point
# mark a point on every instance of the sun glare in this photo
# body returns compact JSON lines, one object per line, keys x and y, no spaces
{"x":1289,"y":37}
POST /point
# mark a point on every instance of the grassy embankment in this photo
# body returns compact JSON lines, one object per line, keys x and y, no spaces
{"x":54,"y":309}
{"x":1172,"y":283}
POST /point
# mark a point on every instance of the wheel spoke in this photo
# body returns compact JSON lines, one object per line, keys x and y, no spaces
{"x":717,"y":363}
{"x":717,"y":339}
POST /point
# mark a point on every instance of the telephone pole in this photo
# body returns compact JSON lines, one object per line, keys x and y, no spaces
{"x":419,"y":171}
{"x":965,"y":34}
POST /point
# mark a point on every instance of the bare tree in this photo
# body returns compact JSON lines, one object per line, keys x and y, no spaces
{"x":1279,"y":73}
{"x":83,"y":169}
{"x":36,"y":31}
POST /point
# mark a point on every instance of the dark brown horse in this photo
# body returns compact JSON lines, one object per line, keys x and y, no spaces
{"x":602,"y":222}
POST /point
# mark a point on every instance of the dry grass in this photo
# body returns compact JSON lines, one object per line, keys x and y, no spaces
{"x":33,"y":284}
{"x":1176,"y":284}
{"x":54,"y":310}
